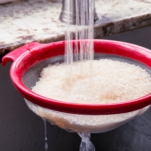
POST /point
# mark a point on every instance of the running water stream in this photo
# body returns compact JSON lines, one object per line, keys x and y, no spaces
{"x":45,"y":135}
{"x":83,"y":29}
{"x":84,"y":33}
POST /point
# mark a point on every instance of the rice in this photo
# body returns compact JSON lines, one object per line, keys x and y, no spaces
{"x":107,"y":81}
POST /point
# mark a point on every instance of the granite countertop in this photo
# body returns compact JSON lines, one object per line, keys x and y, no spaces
{"x":38,"y":20}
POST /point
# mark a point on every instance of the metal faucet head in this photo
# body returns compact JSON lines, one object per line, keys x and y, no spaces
{"x":71,"y":13}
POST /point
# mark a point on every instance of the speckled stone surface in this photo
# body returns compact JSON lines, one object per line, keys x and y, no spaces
{"x":38,"y":20}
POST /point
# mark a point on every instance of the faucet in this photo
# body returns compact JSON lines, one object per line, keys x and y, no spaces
{"x":71,"y":13}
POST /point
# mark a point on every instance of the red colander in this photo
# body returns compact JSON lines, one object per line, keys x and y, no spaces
{"x":29,"y":60}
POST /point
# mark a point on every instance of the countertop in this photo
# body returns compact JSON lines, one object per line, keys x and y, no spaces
{"x":38,"y":20}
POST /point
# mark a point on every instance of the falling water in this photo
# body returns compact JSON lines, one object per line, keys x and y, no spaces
{"x":45,"y":135}
{"x":83,"y":29}
{"x":84,"y":32}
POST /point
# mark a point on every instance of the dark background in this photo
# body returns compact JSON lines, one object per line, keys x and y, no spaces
{"x":22,"y":130}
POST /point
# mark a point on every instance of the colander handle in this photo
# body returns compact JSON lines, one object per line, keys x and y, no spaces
{"x":13,"y":55}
